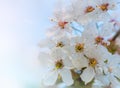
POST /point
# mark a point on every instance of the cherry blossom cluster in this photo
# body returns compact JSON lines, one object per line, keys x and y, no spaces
{"x":84,"y":41}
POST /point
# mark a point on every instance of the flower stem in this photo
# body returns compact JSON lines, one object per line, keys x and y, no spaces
{"x":116,"y":35}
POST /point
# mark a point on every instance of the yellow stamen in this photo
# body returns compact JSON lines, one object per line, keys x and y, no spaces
{"x":104,"y":7}
{"x":60,"y":44}
{"x":89,"y":9}
{"x":79,"y":47}
{"x":92,"y":62}
{"x":98,"y":40}
{"x":59,"y":64}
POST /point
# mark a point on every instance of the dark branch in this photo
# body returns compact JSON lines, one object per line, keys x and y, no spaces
{"x":116,"y":35}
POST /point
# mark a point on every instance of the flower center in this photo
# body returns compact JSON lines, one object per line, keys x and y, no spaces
{"x":98,"y":39}
{"x":104,"y":7}
{"x":59,"y":64}
{"x":89,"y":9}
{"x":92,"y":62}
{"x":79,"y":47}
{"x":62,"y":24}
{"x":60,"y":44}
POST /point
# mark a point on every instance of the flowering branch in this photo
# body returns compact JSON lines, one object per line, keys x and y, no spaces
{"x":86,"y":61}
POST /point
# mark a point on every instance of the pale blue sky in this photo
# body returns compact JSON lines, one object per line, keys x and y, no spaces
{"x":22,"y":25}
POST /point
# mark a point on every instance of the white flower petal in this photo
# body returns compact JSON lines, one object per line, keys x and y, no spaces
{"x":117,"y":72}
{"x":47,"y":43}
{"x":90,"y":32}
{"x":67,"y":63}
{"x":50,"y":78}
{"x":70,"y":50}
{"x":76,"y":39}
{"x":114,"y":82}
{"x":45,"y":60}
{"x":64,"y":39}
{"x":66,"y":76}
{"x":58,"y":53}
{"x":79,"y":61}
{"x":87,"y":75}
{"x":107,"y":29}
{"x":104,"y":80}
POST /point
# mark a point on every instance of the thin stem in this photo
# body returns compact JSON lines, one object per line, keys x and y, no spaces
{"x":116,"y":35}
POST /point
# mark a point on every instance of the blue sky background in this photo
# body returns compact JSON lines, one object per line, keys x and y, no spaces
{"x":22,"y":26}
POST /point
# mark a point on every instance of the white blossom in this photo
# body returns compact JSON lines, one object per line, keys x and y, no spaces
{"x":58,"y":42}
{"x":58,"y":64}
{"x":86,"y":55}
{"x":62,"y":20}
{"x":96,"y":56}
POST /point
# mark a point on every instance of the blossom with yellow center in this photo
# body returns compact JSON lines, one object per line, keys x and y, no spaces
{"x":62,"y":24}
{"x":59,"y":64}
{"x":104,"y":7}
{"x":92,"y":62}
{"x":79,"y":47}
{"x":60,"y":44}
{"x":89,"y":9}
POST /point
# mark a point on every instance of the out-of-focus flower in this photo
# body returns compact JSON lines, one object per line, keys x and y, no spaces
{"x":62,"y":22}
{"x":58,"y":65}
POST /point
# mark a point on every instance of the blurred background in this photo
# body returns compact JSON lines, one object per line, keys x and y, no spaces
{"x":22,"y":26}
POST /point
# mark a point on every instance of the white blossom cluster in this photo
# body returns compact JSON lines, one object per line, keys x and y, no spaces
{"x":80,"y":43}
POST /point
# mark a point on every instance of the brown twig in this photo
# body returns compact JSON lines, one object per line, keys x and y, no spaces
{"x":116,"y":35}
